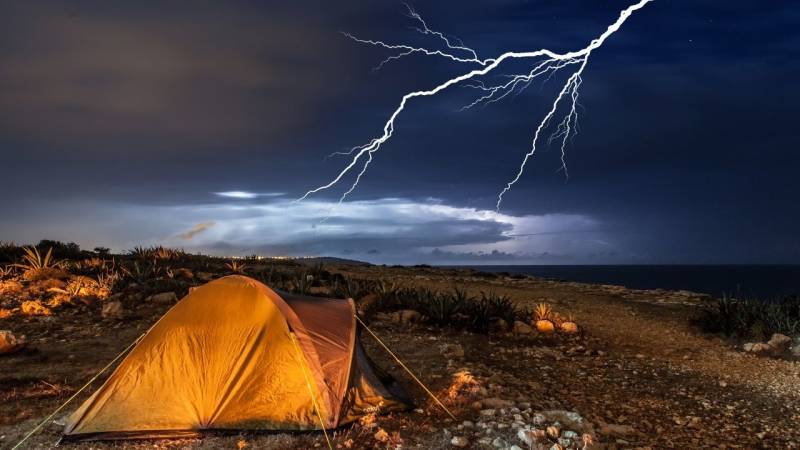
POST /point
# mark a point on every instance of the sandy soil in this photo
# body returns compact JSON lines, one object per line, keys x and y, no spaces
{"x":640,"y":373}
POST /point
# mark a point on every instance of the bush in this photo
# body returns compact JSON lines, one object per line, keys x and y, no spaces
{"x":751,"y":318}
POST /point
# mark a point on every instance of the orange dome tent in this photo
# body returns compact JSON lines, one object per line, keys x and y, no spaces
{"x":233,"y":355}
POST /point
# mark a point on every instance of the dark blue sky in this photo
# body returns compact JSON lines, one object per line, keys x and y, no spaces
{"x":120,"y":122}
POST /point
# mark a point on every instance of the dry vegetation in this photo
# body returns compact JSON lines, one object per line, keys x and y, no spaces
{"x":516,"y":359}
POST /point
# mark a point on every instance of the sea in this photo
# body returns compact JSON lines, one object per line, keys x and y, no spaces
{"x":751,"y":281}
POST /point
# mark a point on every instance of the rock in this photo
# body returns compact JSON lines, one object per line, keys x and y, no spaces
{"x":459,"y":441}
{"x":112,"y":310}
{"x":34,"y":308}
{"x":10,"y":287}
{"x":406,"y":316}
{"x":499,"y":443}
{"x":10,"y":343}
{"x":45,"y":273}
{"x":381,"y":435}
{"x":452,"y":350}
{"x":319,"y":290}
{"x":757,"y":348}
{"x":553,"y":431}
{"x":487,"y":412}
{"x":183,"y":273}
{"x":526,"y":436}
{"x":610,"y":429}
{"x":796,"y":347}
{"x":204,"y":276}
{"x":780,"y":343}
{"x":165,"y":298}
{"x":496,"y":403}
{"x":521,"y":328}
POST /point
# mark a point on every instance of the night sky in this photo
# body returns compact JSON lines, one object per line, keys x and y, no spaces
{"x":195,"y":125}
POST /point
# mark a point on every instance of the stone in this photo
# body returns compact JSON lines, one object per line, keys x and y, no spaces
{"x":757,"y":348}
{"x":406,"y":316}
{"x":164,"y":298}
{"x":10,"y":343}
{"x":10,"y":287}
{"x":499,"y":443}
{"x":452,"y":351}
{"x":553,"y":431}
{"x":381,"y":435}
{"x":112,"y":310}
{"x":204,"y":276}
{"x":459,"y":441}
{"x":780,"y":343}
{"x":319,"y":290}
{"x":184,"y":273}
{"x":496,"y":403}
{"x":610,"y":429}
{"x":487,"y":412}
{"x":521,"y":328}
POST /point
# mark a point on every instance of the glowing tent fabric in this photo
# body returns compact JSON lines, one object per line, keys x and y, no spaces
{"x":234,"y":354}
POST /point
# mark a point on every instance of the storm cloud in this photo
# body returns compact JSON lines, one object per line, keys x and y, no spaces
{"x":128,"y":124}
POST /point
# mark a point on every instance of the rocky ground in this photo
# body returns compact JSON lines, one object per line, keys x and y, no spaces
{"x":638,"y":375}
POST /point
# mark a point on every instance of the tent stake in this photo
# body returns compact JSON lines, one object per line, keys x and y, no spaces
{"x":406,"y":368}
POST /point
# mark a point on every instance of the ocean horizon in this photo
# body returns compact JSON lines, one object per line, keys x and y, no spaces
{"x":765,"y":281}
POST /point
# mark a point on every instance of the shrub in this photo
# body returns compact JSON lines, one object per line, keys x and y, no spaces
{"x":61,"y":250}
{"x":750,"y":318}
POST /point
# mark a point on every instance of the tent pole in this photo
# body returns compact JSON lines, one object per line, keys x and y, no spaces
{"x":406,"y":368}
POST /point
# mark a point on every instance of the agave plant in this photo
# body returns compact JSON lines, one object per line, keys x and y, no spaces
{"x":6,"y":271}
{"x":543,"y":318}
{"x":442,"y":309}
{"x":35,"y":261}
{"x":236,"y":266}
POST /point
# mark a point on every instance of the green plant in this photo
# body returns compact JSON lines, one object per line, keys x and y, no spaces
{"x":6,"y":271}
{"x":236,"y":266}
{"x":750,"y":318}
{"x":35,"y":261}
{"x":441,"y":309}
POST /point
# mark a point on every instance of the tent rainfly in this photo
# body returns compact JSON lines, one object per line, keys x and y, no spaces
{"x":236,"y":355}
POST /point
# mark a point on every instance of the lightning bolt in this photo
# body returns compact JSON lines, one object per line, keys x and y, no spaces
{"x":544,"y":64}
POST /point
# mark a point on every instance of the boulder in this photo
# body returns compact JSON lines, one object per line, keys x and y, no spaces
{"x":757,"y":348}
{"x":184,"y":273}
{"x":10,"y":343}
{"x":406,"y":316}
{"x":522,"y":328}
{"x":780,"y":343}
{"x":164,"y":298}
{"x":112,"y":310}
